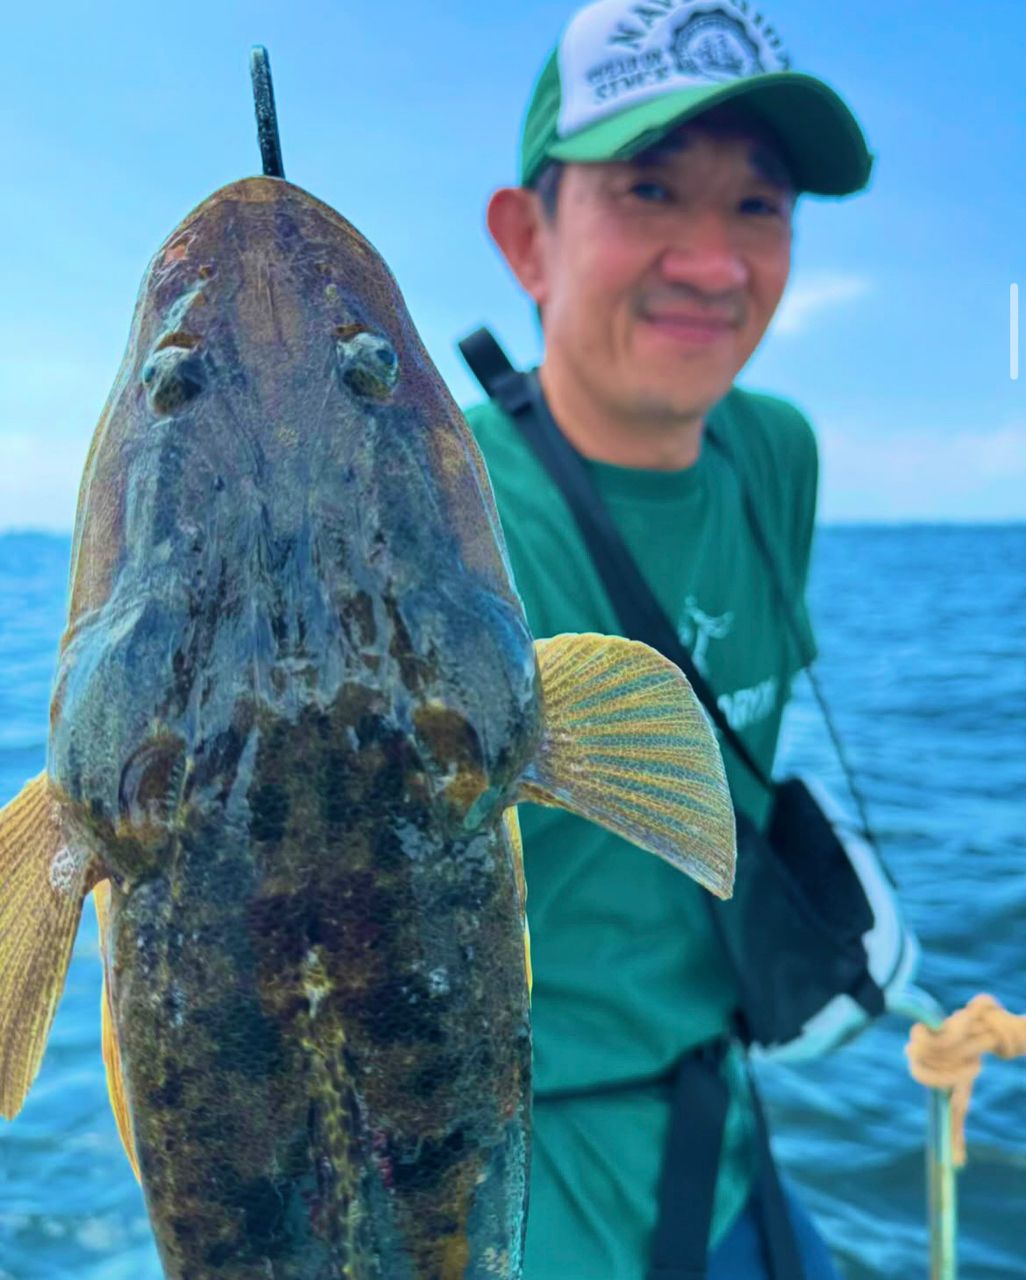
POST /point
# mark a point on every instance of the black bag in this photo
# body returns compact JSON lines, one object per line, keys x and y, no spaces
{"x":795,"y":924}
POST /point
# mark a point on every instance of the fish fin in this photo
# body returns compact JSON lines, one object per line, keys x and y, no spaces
{"x":43,"y":882}
{"x":625,"y":743}
{"x":512,"y":824}
{"x":108,"y":1035}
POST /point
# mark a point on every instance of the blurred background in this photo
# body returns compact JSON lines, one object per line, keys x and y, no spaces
{"x":894,"y":337}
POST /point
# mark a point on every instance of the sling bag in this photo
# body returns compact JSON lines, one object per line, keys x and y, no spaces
{"x":813,"y":928}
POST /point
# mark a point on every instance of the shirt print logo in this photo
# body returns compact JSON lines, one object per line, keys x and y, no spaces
{"x":697,"y":628}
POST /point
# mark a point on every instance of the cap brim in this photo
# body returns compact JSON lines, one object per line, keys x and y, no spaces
{"x":821,"y":141}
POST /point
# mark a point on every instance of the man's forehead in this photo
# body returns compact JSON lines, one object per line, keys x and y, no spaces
{"x":758,"y":143}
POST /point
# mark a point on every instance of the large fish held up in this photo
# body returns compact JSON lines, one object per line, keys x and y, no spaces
{"x":296,"y":704}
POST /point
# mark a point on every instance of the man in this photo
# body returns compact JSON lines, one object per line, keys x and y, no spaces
{"x":662,"y":153}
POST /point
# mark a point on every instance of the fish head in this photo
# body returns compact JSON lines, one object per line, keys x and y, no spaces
{"x":282,"y":505}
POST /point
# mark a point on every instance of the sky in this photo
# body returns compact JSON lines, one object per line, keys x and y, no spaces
{"x":893,"y":336}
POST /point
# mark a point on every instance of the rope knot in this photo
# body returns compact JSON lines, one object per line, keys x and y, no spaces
{"x":951,"y":1056}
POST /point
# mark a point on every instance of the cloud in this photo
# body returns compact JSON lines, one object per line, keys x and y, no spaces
{"x":923,"y":474}
{"x":810,"y":295}
{"x":39,"y":479}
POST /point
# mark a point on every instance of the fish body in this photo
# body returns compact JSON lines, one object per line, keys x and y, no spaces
{"x":296,"y":703}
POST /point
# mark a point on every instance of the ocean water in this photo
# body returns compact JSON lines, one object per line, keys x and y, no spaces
{"x":922,"y":633}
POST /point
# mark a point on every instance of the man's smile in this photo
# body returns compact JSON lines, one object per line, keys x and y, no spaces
{"x":689,"y":325}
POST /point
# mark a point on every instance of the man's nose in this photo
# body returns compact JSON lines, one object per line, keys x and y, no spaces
{"x":704,"y":254}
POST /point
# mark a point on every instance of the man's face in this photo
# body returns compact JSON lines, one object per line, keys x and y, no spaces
{"x":658,"y":276}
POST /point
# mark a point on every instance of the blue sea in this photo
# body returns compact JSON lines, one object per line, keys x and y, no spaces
{"x":922,"y":632}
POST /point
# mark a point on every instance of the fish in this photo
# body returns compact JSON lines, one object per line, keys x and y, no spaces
{"x":295,"y":707}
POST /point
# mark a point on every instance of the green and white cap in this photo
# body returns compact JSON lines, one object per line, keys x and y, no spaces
{"x":625,"y":73}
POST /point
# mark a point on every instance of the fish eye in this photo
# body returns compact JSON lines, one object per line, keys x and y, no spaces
{"x":368,"y":363}
{"x":172,"y":376}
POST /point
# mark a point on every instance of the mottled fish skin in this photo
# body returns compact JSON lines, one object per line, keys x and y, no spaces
{"x":296,"y":693}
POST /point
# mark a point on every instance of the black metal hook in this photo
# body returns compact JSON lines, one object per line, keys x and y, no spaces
{"x":267,"y":117}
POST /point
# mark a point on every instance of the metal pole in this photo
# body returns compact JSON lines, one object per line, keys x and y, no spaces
{"x":942,"y":1191}
{"x":267,"y":116}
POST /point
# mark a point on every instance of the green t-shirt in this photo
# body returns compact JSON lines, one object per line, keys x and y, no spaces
{"x":628,"y":973}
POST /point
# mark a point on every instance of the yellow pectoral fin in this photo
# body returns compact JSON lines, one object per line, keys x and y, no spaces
{"x":512,"y":824}
{"x":43,"y":881}
{"x":108,"y":1034}
{"x":627,"y":745}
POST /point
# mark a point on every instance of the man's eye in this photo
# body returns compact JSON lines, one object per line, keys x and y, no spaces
{"x":651,"y":192}
{"x":762,"y":205}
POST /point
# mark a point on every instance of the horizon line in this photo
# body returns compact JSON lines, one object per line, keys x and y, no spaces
{"x":892,"y":522}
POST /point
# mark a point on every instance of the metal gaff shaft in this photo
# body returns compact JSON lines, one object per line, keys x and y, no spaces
{"x":940,"y":1176}
{"x":267,"y":117}
{"x":942,"y":1193}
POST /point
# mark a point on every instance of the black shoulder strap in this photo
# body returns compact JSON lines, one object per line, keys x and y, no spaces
{"x":679,"y":1249}
{"x":640,"y":614}
{"x":491,"y":366}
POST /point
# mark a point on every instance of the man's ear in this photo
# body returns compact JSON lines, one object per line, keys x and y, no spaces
{"x":516,"y":222}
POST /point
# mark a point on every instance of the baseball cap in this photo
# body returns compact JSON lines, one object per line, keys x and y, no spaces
{"x":624,"y":73}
